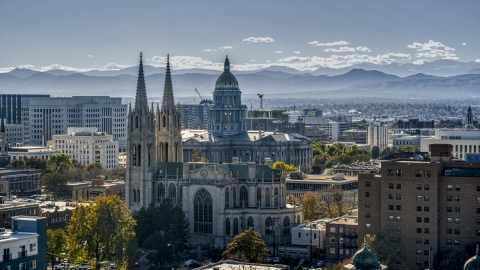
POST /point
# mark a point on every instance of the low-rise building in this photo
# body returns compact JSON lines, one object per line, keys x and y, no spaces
{"x":32,"y":151}
{"x":90,"y":190}
{"x":352,"y":135}
{"x":19,"y":181}
{"x":9,"y":209}
{"x":58,"y":214}
{"x":25,"y":245}
{"x":228,"y":265}
{"x":321,"y":184}
{"x":341,"y":238}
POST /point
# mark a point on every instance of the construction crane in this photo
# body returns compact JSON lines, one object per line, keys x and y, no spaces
{"x":198,"y":93}
{"x":261,"y":100}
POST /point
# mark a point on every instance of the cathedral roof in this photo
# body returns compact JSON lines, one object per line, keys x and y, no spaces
{"x":226,"y":80}
{"x":252,"y":136}
{"x":240,"y":170}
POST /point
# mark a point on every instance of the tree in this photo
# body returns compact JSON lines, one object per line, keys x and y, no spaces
{"x":387,"y":151}
{"x":291,"y":199}
{"x":336,"y":204}
{"x":197,"y":156}
{"x":407,"y":148}
{"x":454,"y":259}
{"x":56,"y":159}
{"x":387,"y":245}
{"x":310,"y":206}
{"x":101,"y":231}
{"x":375,"y":152}
{"x":319,"y":162}
{"x":36,"y":163}
{"x":56,"y":183}
{"x":17,"y":164}
{"x":284,"y":167}
{"x":246,"y":247}
{"x":93,"y":170}
{"x":56,"y":244}
{"x":117,"y":173}
{"x":159,"y":242}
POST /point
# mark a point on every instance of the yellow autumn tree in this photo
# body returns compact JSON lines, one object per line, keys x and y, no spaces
{"x":310,"y":206}
{"x":102,"y":231}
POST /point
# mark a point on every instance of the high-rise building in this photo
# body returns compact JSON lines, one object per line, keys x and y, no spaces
{"x":434,"y":205}
{"x":377,"y":135}
{"x":53,"y":116}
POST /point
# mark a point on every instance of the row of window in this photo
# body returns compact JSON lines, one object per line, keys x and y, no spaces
{"x":23,"y":266}
{"x":418,"y":173}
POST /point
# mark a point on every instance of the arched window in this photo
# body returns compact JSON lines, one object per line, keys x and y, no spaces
{"x":250,"y":223}
{"x":202,"y":212}
{"x":139,"y":155}
{"x":259,"y":196}
{"x":275,"y":197}
{"x":227,"y":227}
{"x":138,"y":195}
{"x":234,"y":196}
{"x":164,"y":121}
{"x":298,"y":219}
{"x":134,"y":195}
{"x":227,"y":197}
{"x":267,"y":197}
{"x":286,"y":226}
{"x":134,"y":155}
{"x":136,"y":121}
{"x":244,"y":197}
{"x":172,"y":191}
{"x":160,"y":192}
{"x":235,"y":226}
{"x":268,"y":225}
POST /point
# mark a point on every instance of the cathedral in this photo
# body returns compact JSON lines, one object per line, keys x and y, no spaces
{"x":220,"y":199}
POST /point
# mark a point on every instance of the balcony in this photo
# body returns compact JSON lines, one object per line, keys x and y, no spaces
{"x":7,"y":257}
{"x":22,"y":254}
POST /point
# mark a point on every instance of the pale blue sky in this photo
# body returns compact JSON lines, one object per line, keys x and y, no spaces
{"x":93,"y":34}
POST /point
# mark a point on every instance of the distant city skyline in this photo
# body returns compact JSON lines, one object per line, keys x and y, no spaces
{"x":91,"y":35}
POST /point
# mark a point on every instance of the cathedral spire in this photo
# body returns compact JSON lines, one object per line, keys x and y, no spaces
{"x":168,"y":102}
{"x":469,"y":118}
{"x":141,"y":96}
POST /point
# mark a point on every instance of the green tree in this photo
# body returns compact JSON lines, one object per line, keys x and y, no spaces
{"x":407,"y":148}
{"x":56,"y":159}
{"x":299,"y":267}
{"x":56,"y":184}
{"x":93,"y":170}
{"x":387,"y":151}
{"x":197,"y":156}
{"x":56,"y":244}
{"x":159,"y":242}
{"x":101,"y":231}
{"x":17,"y":164}
{"x":292,"y":199}
{"x":375,"y":152}
{"x":454,"y":259}
{"x":284,"y":167}
{"x":387,"y":245}
{"x":310,"y":206}
{"x":36,"y":163}
{"x":246,"y":247}
{"x":117,"y":173}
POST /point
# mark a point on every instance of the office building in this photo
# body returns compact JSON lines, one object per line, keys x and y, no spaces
{"x":377,"y":135}
{"x":433,"y":204}
{"x":87,"y":145}
{"x":53,"y":116}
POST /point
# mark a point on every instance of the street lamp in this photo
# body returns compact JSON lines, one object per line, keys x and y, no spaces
{"x":173,"y":255}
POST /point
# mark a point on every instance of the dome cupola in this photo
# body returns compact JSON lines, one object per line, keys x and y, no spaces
{"x":365,"y":259}
{"x":226,"y":80}
{"x":472,"y":263}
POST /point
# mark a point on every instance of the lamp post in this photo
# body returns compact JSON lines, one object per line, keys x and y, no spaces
{"x":173,"y":255}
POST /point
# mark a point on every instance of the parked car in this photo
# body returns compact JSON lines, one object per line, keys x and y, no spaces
{"x":277,"y":260}
{"x":192,"y":263}
{"x":320,"y":264}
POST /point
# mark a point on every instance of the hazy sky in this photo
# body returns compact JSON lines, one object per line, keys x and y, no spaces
{"x":302,"y":34}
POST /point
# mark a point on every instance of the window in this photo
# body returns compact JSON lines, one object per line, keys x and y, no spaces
{"x":449,"y":242}
{"x":390,"y":218}
{"x":457,"y":209}
{"x":426,"y":198}
{"x":367,"y":194}
{"x":22,"y":266}
{"x":389,"y":172}
{"x":419,"y":187}
{"x":332,"y":239}
{"x":426,"y":187}
{"x":457,"y":187}
{"x":367,"y":225}
{"x":449,"y":220}
{"x":426,"y":209}
{"x":398,"y":173}
{"x":268,"y":225}
{"x":227,"y":226}
{"x":418,"y":241}
{"x":419,"y":230}
{"x":398,"y":207}
{"x":332,"y":229}
{"x":419,"y":209}
{"x":33,"y":264}
{"x":426,"y":230}
{"x":398,"y":186}
{"x":427,"y":174}
{"x":426,"y":220}
{"x":367,"y":215}
{"x":457,"y":198}
{"x":398,"y":196}
{"x":33,"y":247}
{"x":299,"y":235}
{"x":367,"y":205}
{"x":425,"y":252}
{"x":418,"y":174}
{"x":419,"y":219}
{"x":426,"y":242}
{"x":449,"y":231}
{"x":368,"y":183}
{"x":419,"y":252}
{"x":418,"y":263}
{"x":449,"y":209}
{"x":457,"y":231}
{"x":390,"y":185}
{"x":390,"y":207}
{"x":332,"y":250}
{"x":449,"y":187}
{"x":449,"y":198}
{"x":243,"y":197}
{"x":456,"y":242}
{"x":390,"y":197}
{"x":478,"y":199}
{"x":419,"y":197}
{"x":398,"y":218}
{"x":456,"y":221}
{"x":478,"y":188}
{"x":286,"y":225}
{"x":203,"y":212}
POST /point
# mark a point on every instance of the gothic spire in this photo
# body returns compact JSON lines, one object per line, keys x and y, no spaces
{"x":168,"y":102}
{"x":141,"y":96}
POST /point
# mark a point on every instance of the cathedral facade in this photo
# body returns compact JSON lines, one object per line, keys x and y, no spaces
{"x":220,"y":200}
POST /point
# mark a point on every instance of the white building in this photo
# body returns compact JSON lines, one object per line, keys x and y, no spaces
{"x":377,"y":135}
{"x":54,"y":115}
{"x":408,"y":141}
{"x":14,"y":134}
{"x":32,"y":151}
{"x":87,"y":145}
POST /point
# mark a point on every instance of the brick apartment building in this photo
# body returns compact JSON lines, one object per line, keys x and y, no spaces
{"x":435,"y":205}
{"x":341,"y":238}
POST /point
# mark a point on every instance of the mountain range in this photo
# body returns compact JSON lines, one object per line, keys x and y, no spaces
{"x":438,"y":79}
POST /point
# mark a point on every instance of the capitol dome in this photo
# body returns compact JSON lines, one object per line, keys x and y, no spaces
{"x":226,"y":80}
{"x":473,"y":263}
